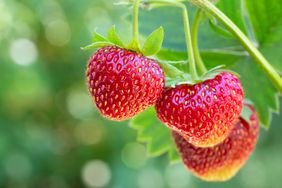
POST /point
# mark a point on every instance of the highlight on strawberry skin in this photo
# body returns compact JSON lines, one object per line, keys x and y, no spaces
{"x":223,"y":161}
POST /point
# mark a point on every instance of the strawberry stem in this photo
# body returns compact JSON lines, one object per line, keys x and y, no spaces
{"x":243,"y":39}
{"x":195,"y":27}
{"x":134,"y":44}
{"x":188,"y":39}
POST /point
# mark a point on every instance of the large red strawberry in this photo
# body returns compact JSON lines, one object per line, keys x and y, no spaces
{"x":122,"y":82}
{"x":223,"y":161}
{"x":203,"y":113}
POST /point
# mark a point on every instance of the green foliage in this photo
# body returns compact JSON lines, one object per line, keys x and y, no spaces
{"x":114,"y":38}
{"x":97,"y":45}
{"x":98,"y":38}
{"x":264,"y":94}
{"x":153,"y":43}
{"x":170,"y":70}
{"x":246,"y":114}
{"x":155,"y":134}
{"x":215,"y":26}
{"x":101,"y":41}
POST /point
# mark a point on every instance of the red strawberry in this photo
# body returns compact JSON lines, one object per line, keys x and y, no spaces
{"x":123,"y":83}
{"x":203,"y":113}
{"x":223,"y":161}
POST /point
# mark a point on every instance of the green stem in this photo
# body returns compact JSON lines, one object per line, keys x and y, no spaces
{"x":188,"y":39}
{"x":248,"y":45}
{"x":135,"y":26}
{"x":195,"y":27}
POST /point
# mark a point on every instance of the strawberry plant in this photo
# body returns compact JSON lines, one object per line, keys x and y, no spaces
{"x":196,"y":73}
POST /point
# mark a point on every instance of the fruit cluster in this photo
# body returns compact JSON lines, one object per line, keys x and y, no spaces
{"x":213,"y":139}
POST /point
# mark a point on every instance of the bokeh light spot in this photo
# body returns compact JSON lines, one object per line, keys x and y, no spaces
{"x":58,"y":32}
{"x":18,"y":166}
{"x":134,"y":155}
{"x":97,"y":17}
{"x":23,"y":51}
{"x":150,"y":178}
{"x":89,"y":133}
{"x":5,"y":19}
{"x":177,"y":176}
{"x":79,"y":104}
{"x":96,"y":173}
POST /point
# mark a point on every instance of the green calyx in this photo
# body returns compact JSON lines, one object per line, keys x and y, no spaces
{"x":175,"y":76}
{"x":151,"y":46}
{"x":99,"y":41}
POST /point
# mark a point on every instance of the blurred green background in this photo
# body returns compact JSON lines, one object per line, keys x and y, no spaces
{"x":51,"y":135}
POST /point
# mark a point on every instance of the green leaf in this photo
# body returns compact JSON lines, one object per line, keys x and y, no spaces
{"x":154,"y":42}
{"x":266,"y":22}
{"x":212,"y":58}
{"x":246,"y":114}
{"x":156,"y":135}
{"x":184,"y":79}
{"x":233,"y":9}
{"x":259,"y":89}
{"x":96,"y":45}
{"x":228,"y":58}
{"x":114,"y":38}
{"x":169,"y":69}
{"x":172,"y":55}
{"x":210,"y":74}
{"x":96,"y":37}
{"x":219,"y":29}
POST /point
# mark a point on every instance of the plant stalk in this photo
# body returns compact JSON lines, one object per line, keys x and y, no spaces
{"x":188,"y":38}
{"x":135,"y":26}
{"x":189,"y":44}
{"x":195,"y":28}
{"x":243,"y":39}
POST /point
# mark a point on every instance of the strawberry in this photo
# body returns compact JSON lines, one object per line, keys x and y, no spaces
{"x":122,"y":82}
{"x":223,"y":161}
{"x":203,"y":113}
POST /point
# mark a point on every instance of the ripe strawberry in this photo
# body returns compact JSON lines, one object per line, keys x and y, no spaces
{"x":123,"y":83}
{"x":223,"y":161}
{"x":203,"y":113}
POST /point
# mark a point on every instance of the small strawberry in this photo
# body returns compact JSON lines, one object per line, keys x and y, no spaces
{"x":122,"y":82}
{"x":203,"y":113}
{"x":223,"y":161}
